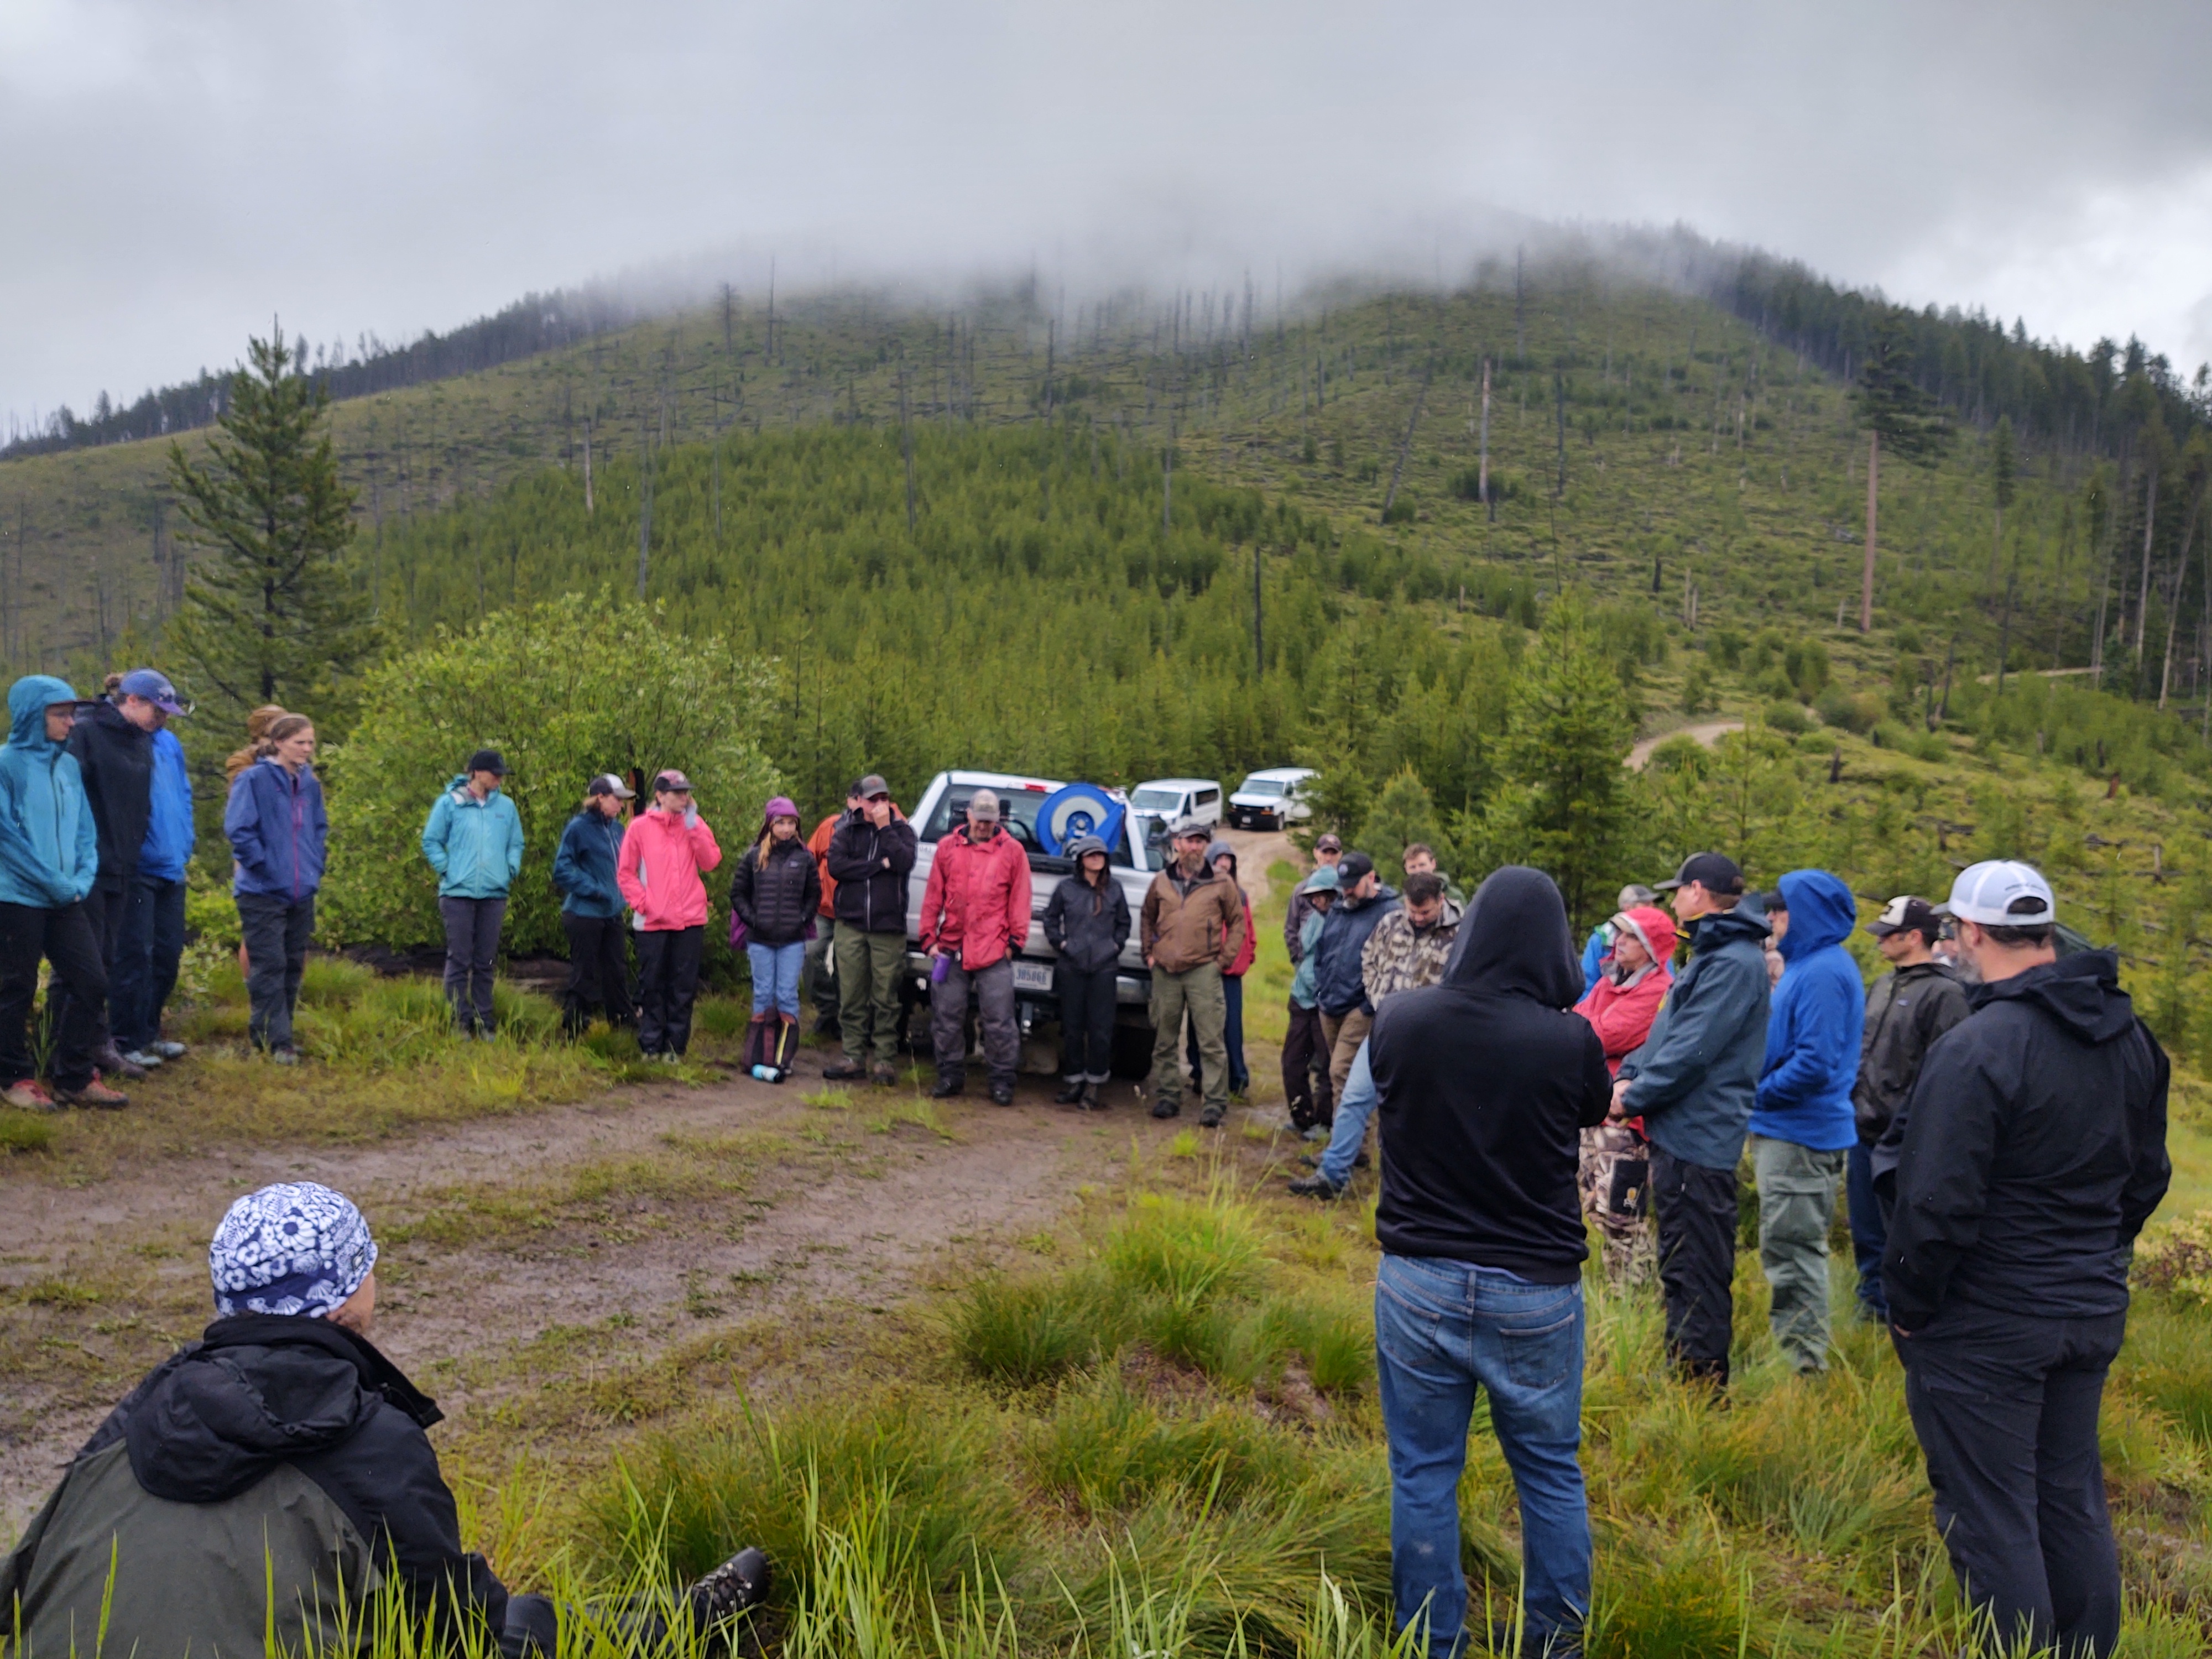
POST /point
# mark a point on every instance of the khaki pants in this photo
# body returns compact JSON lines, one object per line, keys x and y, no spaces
{"x":1343,"y":1036}
{"x":1796,"y":1201}
{"x":868,"y":969}
{"x":1198,"y":993}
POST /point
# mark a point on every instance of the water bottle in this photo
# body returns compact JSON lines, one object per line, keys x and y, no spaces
{"x":768,"y":1074}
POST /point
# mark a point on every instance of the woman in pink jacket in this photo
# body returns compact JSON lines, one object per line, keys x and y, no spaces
{"x":664,"y":851}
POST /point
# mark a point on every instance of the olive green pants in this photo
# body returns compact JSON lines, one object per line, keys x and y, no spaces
{"x":868,"y":969}
{"x":1198,"y":993}
{"x":1796,"y":1202}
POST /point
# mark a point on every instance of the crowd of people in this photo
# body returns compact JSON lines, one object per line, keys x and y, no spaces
{"x":1993,"y":1112}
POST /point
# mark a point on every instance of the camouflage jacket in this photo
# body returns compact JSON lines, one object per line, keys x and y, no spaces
{"x":1397,"y":958}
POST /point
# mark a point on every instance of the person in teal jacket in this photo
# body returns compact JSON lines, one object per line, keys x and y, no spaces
{"x":473,"y":839}
{"x":49,"y":855}
{"x":1802,"y":1121}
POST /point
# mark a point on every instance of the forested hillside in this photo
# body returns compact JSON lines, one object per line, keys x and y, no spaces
{"x":1641,"y":443}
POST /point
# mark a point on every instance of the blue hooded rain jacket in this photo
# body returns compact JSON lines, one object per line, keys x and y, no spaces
{"x":49,"y":846}
{"x":1819,"y":1013}
{"x":475,"y":846}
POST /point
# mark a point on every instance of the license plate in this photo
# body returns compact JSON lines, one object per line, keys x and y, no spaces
{"x":1032,"y":976}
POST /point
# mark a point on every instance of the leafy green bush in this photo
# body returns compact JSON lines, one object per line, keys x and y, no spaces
{"x":564,"y":691}
{"x":1788,"y":717}
{"x":1837,"y":706}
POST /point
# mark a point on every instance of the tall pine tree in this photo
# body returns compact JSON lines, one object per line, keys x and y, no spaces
{"x":1896,"y":413}
{"x":1564,"y":804}
{"x":270,"y":614}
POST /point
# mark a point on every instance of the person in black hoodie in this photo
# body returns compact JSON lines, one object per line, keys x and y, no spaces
{"x":1086,"y":922}
{"x":775,"y":893}
{"x":1486,"y":1081}
{"x":2033,"y":1151}
{"x":260,"y":1481}
{"x":113,"y":743}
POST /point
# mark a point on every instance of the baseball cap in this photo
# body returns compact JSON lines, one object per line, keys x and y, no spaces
{"x":672,"y":780}
{"x":1905,"y":915}
{"x":983,"y":807}
{"x":1634,"y":893}
{"x":608,"y":784}
{"x":153,"y":685}
{"x":487,"y":760}
{"x":2001,"y":893}
{"x":1711,"y":870}
{"x":1351,"y":868}
{"x":870,"y":787}
{"x":1186,"y":827}
{"x":1329,"y":843}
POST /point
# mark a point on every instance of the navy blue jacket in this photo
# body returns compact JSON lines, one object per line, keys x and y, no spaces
{"x":583,"y":868}
{"x":278,"y":830}
{"x":1692,"y":1081}
{"x":1338,"y":987}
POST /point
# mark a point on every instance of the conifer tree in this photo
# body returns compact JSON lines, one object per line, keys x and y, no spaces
{"x":1402,"y":814}
{"x":1897,"y":412}
{"x":1564,"y":806}
{"x":270,"y":614}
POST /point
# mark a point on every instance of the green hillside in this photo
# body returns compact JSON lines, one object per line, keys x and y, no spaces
{"x":1642,"y":442}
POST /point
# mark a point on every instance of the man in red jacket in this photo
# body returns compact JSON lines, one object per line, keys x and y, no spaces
{"x":975,"y":918}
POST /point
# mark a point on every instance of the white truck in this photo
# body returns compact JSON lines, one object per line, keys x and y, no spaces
{"x":1136,"y":853}
{"x":1275,"y":798}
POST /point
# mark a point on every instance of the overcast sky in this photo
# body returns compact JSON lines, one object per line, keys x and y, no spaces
{"x":179,"y":170}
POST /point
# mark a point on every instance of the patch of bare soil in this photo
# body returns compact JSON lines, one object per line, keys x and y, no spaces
{"x":519,"y":1248}
{"x":1256,"y":851}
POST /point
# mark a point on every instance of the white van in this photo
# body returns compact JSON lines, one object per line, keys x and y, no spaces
{"x":1165,"y":801}
{"x":1272,"y":800}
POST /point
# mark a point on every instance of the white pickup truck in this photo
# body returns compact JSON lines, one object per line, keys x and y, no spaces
{"x":1132,"y":858}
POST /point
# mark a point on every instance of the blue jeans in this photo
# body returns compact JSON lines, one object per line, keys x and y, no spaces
{"x":1443,"y":1328}
{"x":145,"y":969}
{"x":1870,"y":1237}
{"x":775,"y":975}
{"x":1349,"y":1132}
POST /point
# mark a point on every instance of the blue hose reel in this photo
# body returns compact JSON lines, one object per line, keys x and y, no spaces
{"x":1075,"y":811}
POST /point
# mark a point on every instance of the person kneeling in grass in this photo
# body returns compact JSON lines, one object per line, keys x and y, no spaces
{"x":256,"y":1488}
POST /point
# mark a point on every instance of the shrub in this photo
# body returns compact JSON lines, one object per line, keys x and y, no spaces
{"x":1788,"y":717}
{"x":1837,"y":706}
{"x":564,"y":691}
{"x":2178,"y":1258}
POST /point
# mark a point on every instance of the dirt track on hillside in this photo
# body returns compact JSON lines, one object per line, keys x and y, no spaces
{"x":492,"y":1263}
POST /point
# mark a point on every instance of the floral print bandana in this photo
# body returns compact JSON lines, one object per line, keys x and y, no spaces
{"x":294,"y":1248}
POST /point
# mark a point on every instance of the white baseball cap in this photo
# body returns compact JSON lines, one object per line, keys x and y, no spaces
{"x":2001,"y":893}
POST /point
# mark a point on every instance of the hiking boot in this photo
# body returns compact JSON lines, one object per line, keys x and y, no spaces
{"x":947,"y":1087}
{"x":1210,"y":1116}
{"x":286,"y":1055}
{"x":845,"y":1071}
{"x":1167,"y":1108}
{"x":1317,"y":1186}
{"x":30,"y":1094}
{"x":884,"y":1077}
{"x":95,"y":1093}
{"x":112,"y":1064}
{"x":1002,"y":1094}
{"x":1070,"y":1093}
{"x":738,"y":1583}
{"x":169,"y":1050}
{"x":142,"y":1058}
{"x":1090,"y":1101}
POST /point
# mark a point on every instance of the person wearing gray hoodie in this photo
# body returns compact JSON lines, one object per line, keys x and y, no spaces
{"x":1086,"y":922}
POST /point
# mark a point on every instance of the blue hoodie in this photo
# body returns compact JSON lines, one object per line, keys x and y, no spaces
{"x":49,"y":847}
{"x":475,"y":846}
{"x":278,"y":830}
{"x":1819,"y":1013}
{"x":169,"y":834}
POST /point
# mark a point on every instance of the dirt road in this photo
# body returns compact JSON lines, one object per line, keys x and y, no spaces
{"x":1708,"y":733}
{"x":570,"y":1245}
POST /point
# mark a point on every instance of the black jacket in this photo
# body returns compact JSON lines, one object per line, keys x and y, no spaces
{"x":1485,"y":1082}
{"x":871,"y":867}
{"x":2033,"y":1150}
{"x":777,"y":904}
{"x":215,"y":1427}
{"x":1906,"y":1010}
{"x":1087,"y":926}
{"x":117,"y":761}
